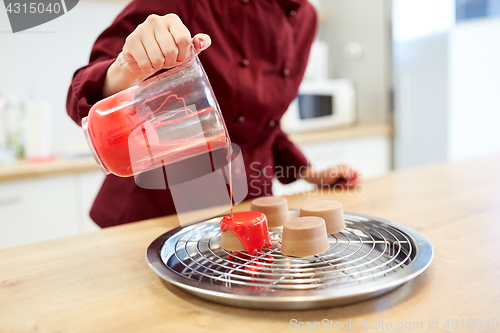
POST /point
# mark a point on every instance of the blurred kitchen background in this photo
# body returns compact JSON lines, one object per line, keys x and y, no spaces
{"x":390,"y":84}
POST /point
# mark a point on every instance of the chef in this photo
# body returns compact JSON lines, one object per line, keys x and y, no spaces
{"x":254,"y":52}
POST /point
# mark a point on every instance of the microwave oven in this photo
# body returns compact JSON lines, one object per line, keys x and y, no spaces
{"x":321,"y":104}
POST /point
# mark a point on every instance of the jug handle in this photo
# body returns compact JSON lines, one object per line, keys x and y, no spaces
{"x":121,"y":61}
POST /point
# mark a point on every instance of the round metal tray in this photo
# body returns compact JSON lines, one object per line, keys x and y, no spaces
{"x":370,"y":257}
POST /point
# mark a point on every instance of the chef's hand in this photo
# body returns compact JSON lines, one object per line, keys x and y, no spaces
{"x":157,"y":43}
{"x":341,"y":175}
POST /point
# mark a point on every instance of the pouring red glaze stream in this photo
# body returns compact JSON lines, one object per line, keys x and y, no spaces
{"x":114,"y":150}
{"x":250,"y":228}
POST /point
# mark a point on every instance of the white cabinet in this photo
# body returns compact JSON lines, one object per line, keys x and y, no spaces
{"x":37,"y":209}
{"x":371,"y":156}
{"x":87,"y":184}
{"x":40,"y":209}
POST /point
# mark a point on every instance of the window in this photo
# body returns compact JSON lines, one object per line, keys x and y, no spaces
{"x":470,"y":9}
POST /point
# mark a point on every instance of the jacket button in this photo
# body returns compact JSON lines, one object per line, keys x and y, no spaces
{"x":244,"y":62}
{"x":272,"y":123}
{"x":240,"y":118}
{"x":292,"y":13}
{"x":285,"y":72}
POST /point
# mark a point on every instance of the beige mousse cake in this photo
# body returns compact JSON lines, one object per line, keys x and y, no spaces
{"x":331,"y":211}
{"x":304,"y":237}
{"x":231,"y":242}
{"x":275,"y":209}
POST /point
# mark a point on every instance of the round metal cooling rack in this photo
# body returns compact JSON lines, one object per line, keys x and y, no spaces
{"x":371,"y":256}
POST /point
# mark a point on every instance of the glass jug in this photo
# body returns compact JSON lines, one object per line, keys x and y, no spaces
{"x":165,"y":119}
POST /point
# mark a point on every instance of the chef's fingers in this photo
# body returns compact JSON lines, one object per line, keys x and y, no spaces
{"x":181,"y":36}
{"x":167,"y":45}
{"x":201,"y":42}
{"x":126,"y":58}
{"x":130,"y":63}
{"x":133,"y":47}
{"x":346,"y":172}
{"x":355,"y":177}
{"x":153,"y":50}
{"x":347,"y":184}
{"x":334,"y":173}
{"x":354,"y":182}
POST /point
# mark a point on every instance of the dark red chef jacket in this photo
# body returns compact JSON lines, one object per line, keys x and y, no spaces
{"x":255,"y":64}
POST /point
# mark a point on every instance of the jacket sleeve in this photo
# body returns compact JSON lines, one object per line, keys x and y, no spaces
{"x":86,"y":86}
{"x":289,"y":161}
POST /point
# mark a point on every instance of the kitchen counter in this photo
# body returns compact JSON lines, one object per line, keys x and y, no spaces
{"x":100,"y":282}
{"x":24,"y":170}
{"x":341,"y":133}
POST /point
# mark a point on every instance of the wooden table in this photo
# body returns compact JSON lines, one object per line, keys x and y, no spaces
{"x":100,"y":282}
